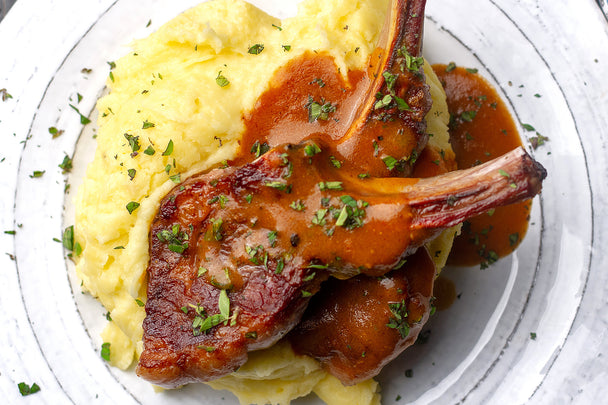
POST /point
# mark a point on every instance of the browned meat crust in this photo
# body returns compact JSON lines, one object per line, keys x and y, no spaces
{"x":236,"y":253}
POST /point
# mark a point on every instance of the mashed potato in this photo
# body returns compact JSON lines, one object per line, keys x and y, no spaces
{"x":165,"y":117}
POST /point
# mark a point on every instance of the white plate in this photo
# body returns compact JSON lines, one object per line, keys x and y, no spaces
{"x":479,"y":350}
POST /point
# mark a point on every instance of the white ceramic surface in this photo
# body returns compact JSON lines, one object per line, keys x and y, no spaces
{"x":479,"y":350}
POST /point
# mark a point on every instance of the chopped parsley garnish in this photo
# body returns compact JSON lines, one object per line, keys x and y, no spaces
{"x":105,"y":351}
{"x":390,"y":79}
{"x":352,"y":214}
{"x":221,"y":80}
{"x":131,"y":173}
{"x":413,"y":63}
{"x":489,"y":257}
{"x":202,"y":323}
{"x":25,"y":389}
{"x":330,"y":185}
{"x":280,"y":266}
{"x":133,"y":142}
{"x":398,"y":320}
{"x":248,"y":198}
{"x":277,"y":27}
{"x":451,"y":66}
{"x":319,"y":217}
{"x":385,"y":101}
{"x":468,"y":116}
{"x":176,"y":178}
{"x":68,"y":241}
{"x":222,"y":199}
{"x":513,"y":239}
{"x":147,"y":124}
{"x":472,"y":70}
{"x":312,"y":149}
{"x":177,"y":241}
{"x":132,"y":206}
{"x":335,"y":162}
{"x":286,"y":48}
{"x":256,"y":254}
{"x":272,"y":238}
{"x":318,"y":266}
{"x":83,"y":120}
{"x":258,"y":149}
{"x":66,"y":164}
{"x":538,"y":140}
{"x":528,"y":127}
{"x":169,"y":148}
{"x":401,"y":104}
{"x":390,"y":162}
{"x":256,"y":49}
{"x":279,"y":185}
{"x":319,"y":111}
{"x":216,"y":226}
{"x":533,"y":335}
{"x":297,"y":205}
{"x":5,"y":94}
{"x":55,"y":132}
{"x":149,"y":151}
{"x":139,"y":302}
{"x":318,"y":81}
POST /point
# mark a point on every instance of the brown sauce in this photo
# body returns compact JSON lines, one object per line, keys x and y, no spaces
{"x":481,"y":128}
{"x":281,"y":115}
{"x":444,"y":291}
{"x":310,"y":98}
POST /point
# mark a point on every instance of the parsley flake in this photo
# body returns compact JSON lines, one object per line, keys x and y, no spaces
{"x":5,"y":94}
{"x":312,"y":149}
{"x":83,"y":120}
{"x":147,"y":125}
{"x":66,"y":164}
{"x":256,"y":49}
{"x":55,"y":132}
{"x":330,"y":185}
{"x":221,"y":80}
{"x":169,"y":149}
{"x":25,"y":389}
{"x":131,"y":173}
{"x":319,"y":111}
{"x":105,"y":351}
{"x":132,"y":206}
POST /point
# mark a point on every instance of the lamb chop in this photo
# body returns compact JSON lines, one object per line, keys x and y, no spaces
{"x":355,"y":327}
{"x":236,"y":253}
{"x":383,"y":116}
